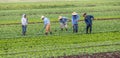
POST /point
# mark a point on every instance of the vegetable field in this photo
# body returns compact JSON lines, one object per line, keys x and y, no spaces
{"x":11,"y":12}
{"x":105,"y":36}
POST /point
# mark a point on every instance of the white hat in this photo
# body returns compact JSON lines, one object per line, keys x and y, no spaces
{"x":23,"y":15}
{"x":74,"y":13}
{"x":60,"y":17}
{"x":42,"y":17}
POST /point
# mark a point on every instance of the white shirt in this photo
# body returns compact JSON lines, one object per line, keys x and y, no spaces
{"x":24,"y":21}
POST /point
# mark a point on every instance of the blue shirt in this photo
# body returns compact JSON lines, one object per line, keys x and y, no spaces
{"x":88,"y":19}
{"x":46,"y":21}
{"x":63,"y":20}
{"x":75,"y":19}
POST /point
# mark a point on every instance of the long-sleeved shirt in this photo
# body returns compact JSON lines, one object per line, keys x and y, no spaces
{"x":63,"y":20}
{"x":88,"y":19}
{"x":24,"y":21}
{"x":46,"y":21}
{"x":75,"y":19}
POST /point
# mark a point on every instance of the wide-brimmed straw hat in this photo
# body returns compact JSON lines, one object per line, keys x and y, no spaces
{"x":42,"y":17}
{"x":84,"y":14}
{"x":60,"y":17}
{"x":74,"y":13}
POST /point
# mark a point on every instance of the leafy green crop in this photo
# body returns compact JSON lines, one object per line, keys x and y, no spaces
{"x":12,"y":12}
{"x":104,"y":38}
{"x":34,"y":29}
{"x":42,"y":46}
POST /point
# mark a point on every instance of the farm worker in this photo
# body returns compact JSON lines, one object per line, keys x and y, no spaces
{"x":63,"y":22}
{"x":75,"y":18}
{"x":46,"y":24}
{"x":88,"y":20}
{"x":24,"y":22}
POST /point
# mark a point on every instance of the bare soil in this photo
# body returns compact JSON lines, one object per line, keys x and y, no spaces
{"x":95,"y":55}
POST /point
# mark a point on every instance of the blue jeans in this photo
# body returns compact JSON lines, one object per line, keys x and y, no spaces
{"x":24,"y":29}
{"x":89,"y":28}
{"x":75,"y":28}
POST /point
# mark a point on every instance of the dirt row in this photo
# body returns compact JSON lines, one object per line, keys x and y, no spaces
{"x":115,"y":54}
{"x":57,"y":21}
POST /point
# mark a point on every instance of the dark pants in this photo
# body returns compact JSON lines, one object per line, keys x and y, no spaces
{"x":75,"y":28}
{"x":24,"y":29}
{"x":89,"y":28}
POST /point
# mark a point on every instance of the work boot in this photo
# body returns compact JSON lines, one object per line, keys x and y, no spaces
{"x":61,"y":29}
{"x":51,"y":33}
{"x":46,"y":33}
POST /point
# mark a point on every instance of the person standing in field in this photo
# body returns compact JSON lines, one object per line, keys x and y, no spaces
{"x":24,"y":22}
{"x":63,"y":22}
{"x":75,"y":18}
{"x":46,"y":25}
{"x":88,"y":20}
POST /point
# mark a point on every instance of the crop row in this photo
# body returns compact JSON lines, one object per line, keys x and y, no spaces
{"x":99,"y":9}
{"x":53,"y":4}
{"x":43,"y":46}
{"x":34,"y":29}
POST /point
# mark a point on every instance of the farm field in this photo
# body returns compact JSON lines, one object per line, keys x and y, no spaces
{"x":104,"y":42}
{"x":14,"y":30}
{"x":53,"y":46}
{"x":105,"y":38}
{"x":103,"y":9}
